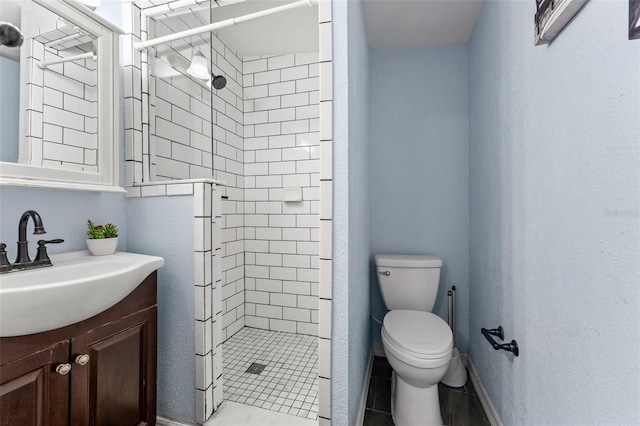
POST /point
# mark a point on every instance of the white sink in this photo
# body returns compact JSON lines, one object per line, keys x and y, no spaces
{"x":77,"y":286}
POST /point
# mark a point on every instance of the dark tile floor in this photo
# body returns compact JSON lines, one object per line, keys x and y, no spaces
{"x":458,"y":406}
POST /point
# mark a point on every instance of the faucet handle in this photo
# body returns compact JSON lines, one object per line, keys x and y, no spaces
{"x":56,"y":241}
{"x":5,"y":266}
{"x":42,"y":256}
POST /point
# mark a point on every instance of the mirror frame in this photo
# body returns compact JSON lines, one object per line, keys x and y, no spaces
{"x":108,"y":175}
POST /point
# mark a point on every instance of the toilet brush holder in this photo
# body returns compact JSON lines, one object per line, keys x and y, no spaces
{"x":456,"y":375}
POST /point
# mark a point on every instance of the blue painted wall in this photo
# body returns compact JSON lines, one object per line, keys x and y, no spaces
{"x":359,"y":205}
{"x":419,"y":166}
{"x":554,"y":215}
{"x":351,"y":341}
{"x":64,"y":215}
{"x":163,"y":226}
{"x":9,"y":109}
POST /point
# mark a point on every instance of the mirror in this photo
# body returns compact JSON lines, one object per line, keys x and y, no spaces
{"x":58,"y":94}
{"x":59,"y":110}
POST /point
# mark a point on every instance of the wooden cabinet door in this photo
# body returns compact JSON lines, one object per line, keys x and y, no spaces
{"x":32,"y":392}
{"x":115,"y":386}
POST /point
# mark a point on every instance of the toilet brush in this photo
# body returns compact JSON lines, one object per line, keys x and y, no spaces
{"x":456,"y":375}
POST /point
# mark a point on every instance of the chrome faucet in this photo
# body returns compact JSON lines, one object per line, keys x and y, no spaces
{"x":23,"y":261}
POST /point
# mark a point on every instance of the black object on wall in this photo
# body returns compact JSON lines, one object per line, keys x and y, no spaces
{"x":499,"y":332}
{"x":634,"y":19}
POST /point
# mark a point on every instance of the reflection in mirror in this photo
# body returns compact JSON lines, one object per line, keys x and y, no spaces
{"x":58,"y":93}
{"x":10,"y":87}
{"x":64,"y":104}
{"x":180,"y":89}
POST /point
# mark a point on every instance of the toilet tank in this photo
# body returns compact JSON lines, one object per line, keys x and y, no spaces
{"x":408,"y":281}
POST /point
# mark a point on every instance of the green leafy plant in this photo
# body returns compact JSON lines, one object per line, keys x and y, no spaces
{"x":96,"y":232}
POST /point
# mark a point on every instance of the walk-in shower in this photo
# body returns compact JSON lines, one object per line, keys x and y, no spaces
{"x":258,"y":132}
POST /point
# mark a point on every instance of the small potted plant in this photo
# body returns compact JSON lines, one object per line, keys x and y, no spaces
{"x":103,"y":239}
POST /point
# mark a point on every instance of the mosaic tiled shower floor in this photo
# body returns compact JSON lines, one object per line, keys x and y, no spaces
{"x":289,"y":382}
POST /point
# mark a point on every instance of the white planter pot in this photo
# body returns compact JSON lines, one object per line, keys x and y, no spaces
{"x":102,"y":246}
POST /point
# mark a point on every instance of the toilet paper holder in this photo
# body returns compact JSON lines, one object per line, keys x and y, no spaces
{"x":499,"y":332}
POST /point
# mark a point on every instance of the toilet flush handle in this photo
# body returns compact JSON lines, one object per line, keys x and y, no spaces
{"x":387,"y":273}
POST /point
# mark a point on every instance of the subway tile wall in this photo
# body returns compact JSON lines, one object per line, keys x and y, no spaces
{"x":281,"y":149}
{"x":181,"y":114}
{"x":62,"y":111}
{"x":207,"y":290}
{"x":198,"y":133}
{"x":325,"y":16}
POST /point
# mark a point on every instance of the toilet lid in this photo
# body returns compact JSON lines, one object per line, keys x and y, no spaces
{"x":421,"y":333}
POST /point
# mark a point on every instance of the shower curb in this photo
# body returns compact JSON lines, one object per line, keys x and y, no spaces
{"x":161,"y":421}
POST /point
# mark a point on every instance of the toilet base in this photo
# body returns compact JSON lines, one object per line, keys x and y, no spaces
{"x":413,"y":406}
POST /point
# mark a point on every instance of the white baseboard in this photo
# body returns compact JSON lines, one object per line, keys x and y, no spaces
{"x":365,"y":389}
{"x":490,"y":411}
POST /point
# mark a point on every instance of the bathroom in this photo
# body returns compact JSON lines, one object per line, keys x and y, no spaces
{"x":516,"y":164}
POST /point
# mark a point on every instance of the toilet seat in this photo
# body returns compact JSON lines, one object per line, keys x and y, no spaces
{"x":421,"y":339}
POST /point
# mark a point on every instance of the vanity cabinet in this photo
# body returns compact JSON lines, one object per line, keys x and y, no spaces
{"x":31,"y":392}
{"x":111,"y":363}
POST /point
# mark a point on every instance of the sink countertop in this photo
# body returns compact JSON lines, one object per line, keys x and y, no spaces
{"x":77,"y":286}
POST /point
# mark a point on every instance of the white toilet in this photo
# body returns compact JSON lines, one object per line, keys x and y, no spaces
{"x":417,"y":343}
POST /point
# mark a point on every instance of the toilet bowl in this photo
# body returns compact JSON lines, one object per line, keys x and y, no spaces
{"x":418,"y":346}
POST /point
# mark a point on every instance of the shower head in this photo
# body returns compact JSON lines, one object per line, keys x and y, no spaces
{"x":10,"y":35}
{"x":218,"y":81}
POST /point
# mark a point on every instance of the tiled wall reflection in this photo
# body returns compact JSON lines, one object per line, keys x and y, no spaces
{"x":62,"y":111}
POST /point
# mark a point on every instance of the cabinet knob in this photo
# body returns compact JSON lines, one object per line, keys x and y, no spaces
{"x":82,"y":359}
{"x":63,"y":369}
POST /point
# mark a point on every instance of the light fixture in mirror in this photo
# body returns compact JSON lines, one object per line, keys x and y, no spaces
{"x":61,"y":130}
{"x":199,"y":68}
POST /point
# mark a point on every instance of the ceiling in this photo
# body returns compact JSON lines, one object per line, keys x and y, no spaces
{"x":414,"y":23}
{"x":390,"y":23}
{"x":292,"y":31}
